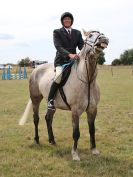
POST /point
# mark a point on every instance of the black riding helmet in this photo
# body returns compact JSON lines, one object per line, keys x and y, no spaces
{"x":67,"y":14}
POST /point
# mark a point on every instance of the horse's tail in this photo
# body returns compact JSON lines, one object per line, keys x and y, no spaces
{"x":26,"y":113}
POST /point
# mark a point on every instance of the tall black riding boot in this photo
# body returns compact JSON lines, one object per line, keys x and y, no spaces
{"x":52,"y":94}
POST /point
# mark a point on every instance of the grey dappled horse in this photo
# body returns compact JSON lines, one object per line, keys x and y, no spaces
{"x":81,"y":90}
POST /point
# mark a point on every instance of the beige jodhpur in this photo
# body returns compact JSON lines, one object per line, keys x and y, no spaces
{"x":58,"y":74}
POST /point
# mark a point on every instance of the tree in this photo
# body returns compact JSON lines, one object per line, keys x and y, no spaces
{"x":24,"y":62}
{"x":101,"y":59}
{"x":130,"y":56}
{"x":116,"y":62}
{"x":126,"y":58}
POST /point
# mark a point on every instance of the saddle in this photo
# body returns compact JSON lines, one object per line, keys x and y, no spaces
{"x":65,"y":76}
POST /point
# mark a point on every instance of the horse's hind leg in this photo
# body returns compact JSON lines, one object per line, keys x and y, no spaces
{"x":49,"y":120}
{"x":36,"y":102}
{"x":91,"y":115}
{"x":76,"y":135}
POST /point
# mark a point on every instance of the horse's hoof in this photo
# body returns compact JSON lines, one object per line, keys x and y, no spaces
{"x":36,"y":141}
{"x":52,"y":142}
{"x":95,"y":151}
{"x":75,"y":155}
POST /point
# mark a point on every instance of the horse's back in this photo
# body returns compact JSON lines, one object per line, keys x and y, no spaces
{"x":41,"y":79}
{"x":38,"y":72}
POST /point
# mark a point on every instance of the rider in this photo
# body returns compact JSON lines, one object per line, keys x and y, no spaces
{"x":66,"y":40}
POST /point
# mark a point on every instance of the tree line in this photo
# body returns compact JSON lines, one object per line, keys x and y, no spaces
{"x":27,"y":61}
{"x":126,"y":58}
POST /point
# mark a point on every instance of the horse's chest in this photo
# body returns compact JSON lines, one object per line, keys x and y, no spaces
{"x":77,"y":96}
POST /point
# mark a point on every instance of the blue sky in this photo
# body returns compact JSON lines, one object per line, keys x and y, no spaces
{"x":26,"y":26}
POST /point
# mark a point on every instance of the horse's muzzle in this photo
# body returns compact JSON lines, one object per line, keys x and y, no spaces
{"x":102,"y":43}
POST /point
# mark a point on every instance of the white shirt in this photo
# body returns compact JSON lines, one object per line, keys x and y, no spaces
{"x":68,"y":29}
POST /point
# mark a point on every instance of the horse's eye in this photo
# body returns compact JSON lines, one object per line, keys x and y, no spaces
{"x":90,"y":35}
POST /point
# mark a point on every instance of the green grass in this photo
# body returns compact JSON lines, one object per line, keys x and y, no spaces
{"x":19,"y":157}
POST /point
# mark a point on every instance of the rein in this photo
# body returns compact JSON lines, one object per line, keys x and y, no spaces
{"x":91,"y":78}
{"x":89,"y":83}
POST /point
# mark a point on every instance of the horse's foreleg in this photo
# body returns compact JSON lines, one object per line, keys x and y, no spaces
{"x":76,"y":135}
{"x":91,"y":115}
{"x":49,"y":120}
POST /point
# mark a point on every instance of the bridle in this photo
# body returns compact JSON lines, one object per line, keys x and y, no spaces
{"x":91,"y":78}
{"x":92,"y":45}
{"x":90,"y":42}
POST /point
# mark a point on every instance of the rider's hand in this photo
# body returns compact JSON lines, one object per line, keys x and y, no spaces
{"x":74,"y":56}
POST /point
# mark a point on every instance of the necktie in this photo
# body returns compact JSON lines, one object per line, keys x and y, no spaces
{"x":69,"y":33}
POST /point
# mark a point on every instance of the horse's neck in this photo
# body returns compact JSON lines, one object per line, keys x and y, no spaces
{"x":86,"y":68}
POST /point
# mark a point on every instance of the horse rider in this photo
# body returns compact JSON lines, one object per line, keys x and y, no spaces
{"x":66,"y":40}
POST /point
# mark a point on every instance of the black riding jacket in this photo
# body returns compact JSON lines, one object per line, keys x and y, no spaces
{"x":66,"y":44}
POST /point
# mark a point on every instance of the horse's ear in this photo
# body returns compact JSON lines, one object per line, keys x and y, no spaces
{"x":85,"y":32}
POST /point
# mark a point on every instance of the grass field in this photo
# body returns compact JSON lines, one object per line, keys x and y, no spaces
{"x":19,"y":157}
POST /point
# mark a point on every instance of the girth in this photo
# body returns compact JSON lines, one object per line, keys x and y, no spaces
{"x":63,"y":96}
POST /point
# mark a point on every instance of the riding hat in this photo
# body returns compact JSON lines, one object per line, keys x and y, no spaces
{"x":67,"y":14}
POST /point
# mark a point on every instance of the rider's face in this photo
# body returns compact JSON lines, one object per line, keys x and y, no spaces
{"x":67,"y":22}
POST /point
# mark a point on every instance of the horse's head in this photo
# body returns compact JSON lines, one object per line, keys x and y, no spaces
{"x":95,"y":42}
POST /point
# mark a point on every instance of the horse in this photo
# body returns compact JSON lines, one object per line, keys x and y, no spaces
{"x":82,"y":80}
